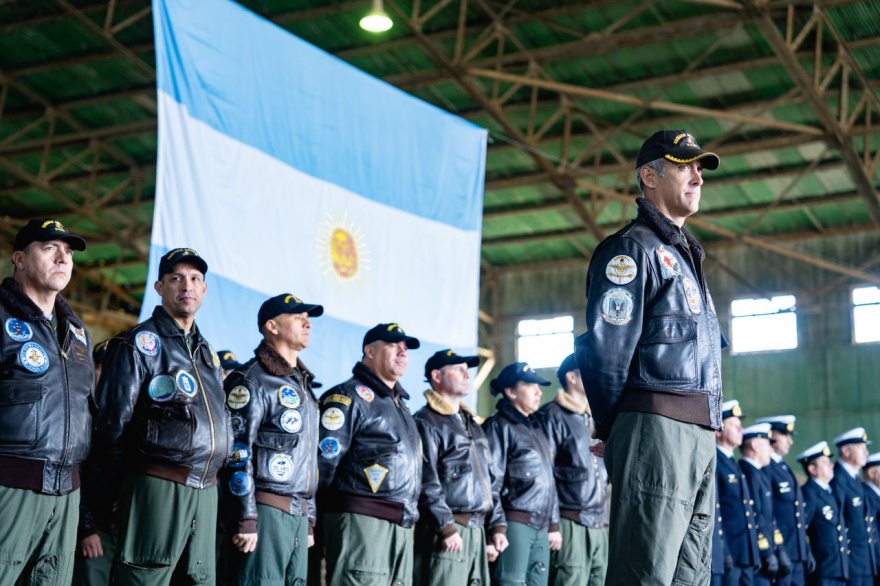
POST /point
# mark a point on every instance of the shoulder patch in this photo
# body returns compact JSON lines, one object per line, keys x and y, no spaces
{"x":240,"y":455}
{"x":365,"y":393}
{"x":337,"y":398}
{"x":329,"y":447}
{"x":617,"y":306}
{"x":215,"y":360}
{"x":240,"y":484}
{"x":147,"y":343}
{"x":621,"y":269}
{"x":34,"y":357}
{"x":332,"y":419}
{"x":238,"y":424}
{"x":238,"y":397}
{"x":18,"y":330}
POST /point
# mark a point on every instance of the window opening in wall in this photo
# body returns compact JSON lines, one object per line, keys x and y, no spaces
{"x":761,"y":325}
{"x":544,"y":343}
{"x":866,"y":314}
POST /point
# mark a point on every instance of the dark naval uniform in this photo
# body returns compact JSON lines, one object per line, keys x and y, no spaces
{"x":738,"y":520}
{"x":722,"y":561}
{"x":872,"y":499}
{"x":788,"y":510}
{"x":769,"y":538}
{"x":827,"y":534}
{"x":860,"y":536}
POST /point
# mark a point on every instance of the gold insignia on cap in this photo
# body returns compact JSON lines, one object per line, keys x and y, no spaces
{"x":450,"y":353}
{"x":228,"y":356}
{"x":526,"y":368}
{"x":737,"y":412}
{"x":392,"y":327}
{"x":294,"y":297}
{"x":689,"y":140}
{"x":864,"y":437}
{"x":826,"y":451}
{"x":58,"y":226}
{"x":790,"y":427}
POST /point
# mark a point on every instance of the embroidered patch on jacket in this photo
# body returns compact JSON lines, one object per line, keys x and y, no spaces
{"x":692,"y":294}
{"x":18,"y":330}
{"x":621,"y":269}
{"x":34,"y":358}
{"x":291,"y":421}
{"x":240,"y":455}
{"x":338,"y":399}
{"x":333,"y":419}
{"x":375,"y":476}
{"x":161,"y":388}
{"x":79,"y":334}
{"x":617,"y":306}
{"x":329,"y":447}
{"x":281,"y":467}
{"x":669,"y":265}
{"x":238,"y":397}
{"x":147,"y":343}
{"x":365,"y":393}
{"x":238,"y":424}
{"x":186,"y":383}
{"x":288,"y":397}
{"x":240,"y":484}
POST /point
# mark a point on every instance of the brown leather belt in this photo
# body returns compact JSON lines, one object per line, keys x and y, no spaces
{"x":173,"y":472}
{"x":281,"y":502}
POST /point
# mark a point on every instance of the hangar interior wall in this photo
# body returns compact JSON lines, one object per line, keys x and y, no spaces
{"x":828,"y":382}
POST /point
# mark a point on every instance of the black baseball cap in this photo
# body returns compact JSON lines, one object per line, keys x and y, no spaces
{"x":391,"y":333}
{"x":512,"y":374}
{"x":228,"y":361}
{"x":446,"y":357}
{"x":43,"y":231}
{"x":188,"y":255}
{"x":678,"y":146}
{"x":568,"y":364}
{"x":285,"y":303}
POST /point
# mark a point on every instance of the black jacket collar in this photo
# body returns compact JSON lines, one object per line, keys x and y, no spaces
{"x":367,"y":376}
{"x":23,"y":307}
{"x":506,"y":408}
{"x":665,"y":228}
{"x":168,"y":326}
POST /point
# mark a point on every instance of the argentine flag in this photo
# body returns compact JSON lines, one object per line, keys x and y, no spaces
{"x":290,"y":171}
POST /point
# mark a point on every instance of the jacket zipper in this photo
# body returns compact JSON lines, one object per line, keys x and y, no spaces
{"x":67,"y":399}
{"x":487,"y":494}
{"x":210,"y":415}
{"x":413,"y":437}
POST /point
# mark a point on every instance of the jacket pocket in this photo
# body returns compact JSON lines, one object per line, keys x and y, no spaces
{"x":19,"y":412}
{"x":170,"y":430}
{"x":668,"y":351}
{"x":568,"y":474}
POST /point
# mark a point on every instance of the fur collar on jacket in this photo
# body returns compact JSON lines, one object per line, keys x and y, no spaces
{"x":439,"y":404}
{"x":275,"y":363}
{"x":22,"y":307}
{"x":663,"y":226}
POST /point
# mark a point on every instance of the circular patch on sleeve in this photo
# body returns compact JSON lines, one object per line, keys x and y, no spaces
{"x":240,"y":484}
{"x":621,"y":269}
{"x":288,"y":397}
{"x":240,"y":455}
{"x":238,"y":397}
{"x":333,"y":419}
{"x":365,"y":393}
{"x":186,"y":383}
{"x":18,"y":330}
{"x":34,"y":358}
{"x":238,"y":424}
{"x":161,"y":388}
{"x":329,"y":447}
{"x":281,"y":467}
{"x":147,"y":343}
{"x":692,"y":294}
{"x":291,"y":421}
{"x":214,"y":358}
{"x":617,"y":306}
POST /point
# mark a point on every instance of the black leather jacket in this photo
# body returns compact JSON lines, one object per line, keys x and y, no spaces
{"x":581,"y":479}
{"x":371,"y":451}
{"x":522,"y":460}
{"x":653,"y":343}
{"x":46,"y":395}
{"x":161,"y":408}
{"x":276,"y":436}
{"x":457,"y":476}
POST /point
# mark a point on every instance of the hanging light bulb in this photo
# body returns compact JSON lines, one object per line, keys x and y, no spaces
{"x":377,"y":21}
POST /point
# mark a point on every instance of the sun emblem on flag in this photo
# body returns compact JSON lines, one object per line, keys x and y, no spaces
{"x":342,"y":248}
